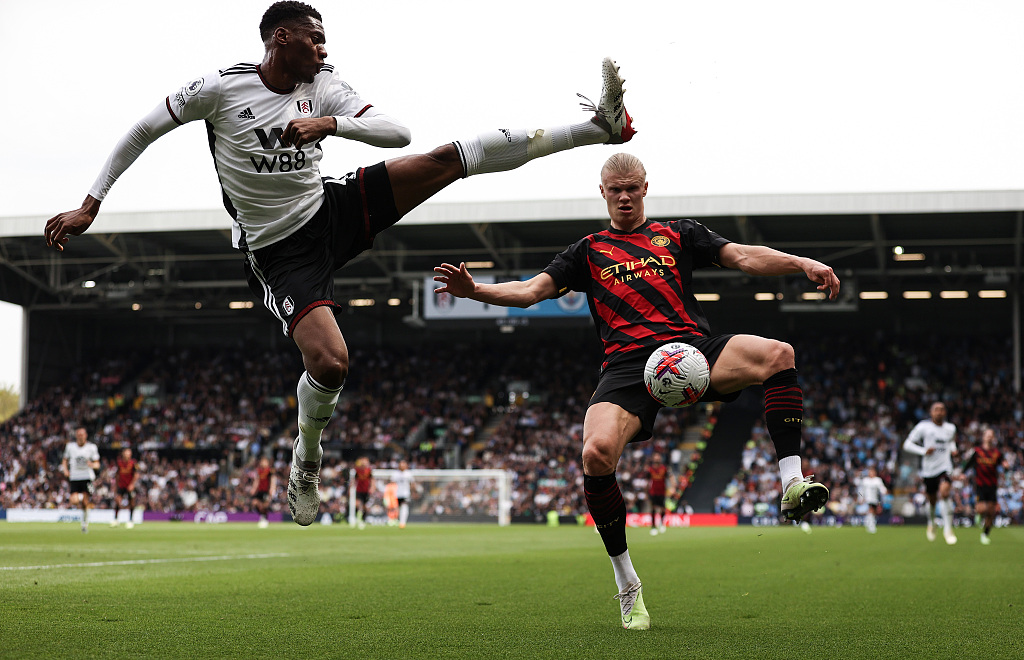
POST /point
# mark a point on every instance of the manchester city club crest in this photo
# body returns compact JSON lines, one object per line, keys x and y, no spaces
{"x":572,"y":301}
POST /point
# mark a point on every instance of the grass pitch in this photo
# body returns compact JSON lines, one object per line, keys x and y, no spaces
{"x":176,"y":590}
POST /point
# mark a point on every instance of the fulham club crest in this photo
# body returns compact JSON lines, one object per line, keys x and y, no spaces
{"x":288,"y":306}
{"x":305,"y":107}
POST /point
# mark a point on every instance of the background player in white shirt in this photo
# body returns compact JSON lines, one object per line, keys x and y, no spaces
{"x":871,"y":490}
{"x":79,"y":465}
{"x":934,"y":441}
{"x":266,"y":123}
{"x":403,"y":492}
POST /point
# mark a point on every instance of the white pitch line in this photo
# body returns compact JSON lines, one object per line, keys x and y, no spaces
{"x":131,"y":562}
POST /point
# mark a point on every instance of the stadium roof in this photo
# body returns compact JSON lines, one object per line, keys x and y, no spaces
{"x":177,"y":257}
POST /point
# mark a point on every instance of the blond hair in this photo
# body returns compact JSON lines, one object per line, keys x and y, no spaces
{"x":624,"y":165}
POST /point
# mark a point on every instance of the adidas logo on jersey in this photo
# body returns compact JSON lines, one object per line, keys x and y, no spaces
{"x":246,"y":114}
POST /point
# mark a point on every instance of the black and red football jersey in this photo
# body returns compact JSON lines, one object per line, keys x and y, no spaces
{"x":125,"y":472}
{"x":986,"y":466}
{"x":639,"y":284}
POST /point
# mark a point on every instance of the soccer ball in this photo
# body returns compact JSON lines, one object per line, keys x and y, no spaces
{"x":677,"y":375}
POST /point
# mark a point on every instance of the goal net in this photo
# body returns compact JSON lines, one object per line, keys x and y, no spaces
{"x":439,"y":496}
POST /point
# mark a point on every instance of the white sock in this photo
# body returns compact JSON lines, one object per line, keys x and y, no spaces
{"x":624,"y":572}
{"x":869,"y":521}
{"x":791,"y":468}
{"x":947,"y":514}
{"x":505,"y":149}
{"x":316,"y":405}
{"x":403,"y":513}
{"x":931,"y":514}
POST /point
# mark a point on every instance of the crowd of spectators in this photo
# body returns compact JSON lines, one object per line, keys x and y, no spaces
{"x":199,"y":419}
{"x":863,"y":395}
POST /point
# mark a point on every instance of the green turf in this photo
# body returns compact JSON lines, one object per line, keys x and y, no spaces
{"x":520,"y":592}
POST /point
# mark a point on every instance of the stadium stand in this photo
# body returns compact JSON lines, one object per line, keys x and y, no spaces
{"x":863,"y":395}
{"x":198,"y":420}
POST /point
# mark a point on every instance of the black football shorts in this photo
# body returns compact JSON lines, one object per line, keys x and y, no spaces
{"x":296,"y":274}
{"x":80,"y":486}
{"x":986,"y":493}
{"x":622,"y":382}
{"x":931,"y":484}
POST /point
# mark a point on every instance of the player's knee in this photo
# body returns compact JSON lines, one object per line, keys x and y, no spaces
{"x":780,"y":357}
{"x":446,"y":160}
{"x":329,"y":368}
{"x":446,"y":155}
{"x":598,"y":458}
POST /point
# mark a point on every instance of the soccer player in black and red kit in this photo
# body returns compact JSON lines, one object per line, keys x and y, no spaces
{"x":127,"y":477}
{"x":657,"y":476}
{"x":637,"y":276}
{"x":986,"y":460}
{"x":263,"y":487}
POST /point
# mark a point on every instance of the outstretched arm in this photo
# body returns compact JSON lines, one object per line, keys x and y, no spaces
{"x":458,"y":282}
{"x":761,"y":260}
{"x":73,"y":223}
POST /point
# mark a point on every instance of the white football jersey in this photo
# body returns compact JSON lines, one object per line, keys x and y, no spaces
{"x":926,"y":435}
{"x":78,"y":460}
{"x":403,"y":484}
{"x":872,"y":489}
{"x":270,"y":190}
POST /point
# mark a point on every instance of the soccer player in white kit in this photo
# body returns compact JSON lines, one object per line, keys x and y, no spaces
{"x":79,"y":465}
{"x":403,"y":492}
{"x":267,"y":122}
{"x":871,"y":489}
{"x":934,"y":441}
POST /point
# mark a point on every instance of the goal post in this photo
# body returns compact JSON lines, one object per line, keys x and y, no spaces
{"x":446,"y":495}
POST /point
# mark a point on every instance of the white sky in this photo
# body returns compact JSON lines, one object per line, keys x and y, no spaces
{"x":729,"y":97}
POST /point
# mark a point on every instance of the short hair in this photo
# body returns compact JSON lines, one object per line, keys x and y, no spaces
{"x":623,"y":164}
{"x":286,"y":11}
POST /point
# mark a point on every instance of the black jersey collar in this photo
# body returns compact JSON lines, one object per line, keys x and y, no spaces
{"x":638,"y":229}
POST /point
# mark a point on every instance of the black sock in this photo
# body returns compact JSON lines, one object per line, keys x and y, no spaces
{"x":604,"y":499}
{"x":784,"y":412}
